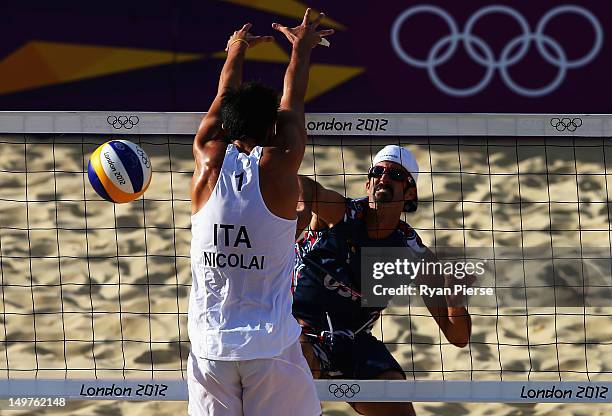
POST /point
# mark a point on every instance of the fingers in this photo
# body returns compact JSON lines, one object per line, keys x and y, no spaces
{"x":325,"y":32}
{"x":306,"y":17}
{"x":246,"y":27}
{"x":256,"y":40}
{"x":283,"y":29}
{"x":307,"y":30}
{"x":317,"y":21}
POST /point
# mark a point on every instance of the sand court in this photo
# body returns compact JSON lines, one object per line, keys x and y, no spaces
{"x":109,"y":283}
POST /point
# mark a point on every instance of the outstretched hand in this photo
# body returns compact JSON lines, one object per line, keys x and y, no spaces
{"x":305,"y":34}
{"x":243,"y":36}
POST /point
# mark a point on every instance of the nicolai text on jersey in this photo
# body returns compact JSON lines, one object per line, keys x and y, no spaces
{"x":230,"y":235}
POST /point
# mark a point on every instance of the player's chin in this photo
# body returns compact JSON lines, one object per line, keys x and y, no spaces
{"x":383,"y":196}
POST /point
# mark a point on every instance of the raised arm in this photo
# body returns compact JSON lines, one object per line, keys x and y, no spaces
{"x":231,"y":77}
{"x":290,"y":126}
{"x":318,"y":206}
{"x":209,"y":143}
{"x":449,"y":312}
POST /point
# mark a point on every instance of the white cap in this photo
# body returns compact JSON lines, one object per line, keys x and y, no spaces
{"x":401,"y":156}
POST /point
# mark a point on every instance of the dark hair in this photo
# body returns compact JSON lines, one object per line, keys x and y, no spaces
{"x":249,"y":111}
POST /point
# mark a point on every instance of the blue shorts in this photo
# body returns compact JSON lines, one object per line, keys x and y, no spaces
{"x":360,"y":358}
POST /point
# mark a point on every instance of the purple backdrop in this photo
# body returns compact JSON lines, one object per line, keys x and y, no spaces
{"x":388,"y":83}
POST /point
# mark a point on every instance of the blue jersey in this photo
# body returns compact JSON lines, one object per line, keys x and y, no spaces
{"x":327,"y":278}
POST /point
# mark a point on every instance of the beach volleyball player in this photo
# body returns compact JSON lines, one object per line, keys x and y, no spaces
{"x":337,"y":338}
{"x":245,"y":354}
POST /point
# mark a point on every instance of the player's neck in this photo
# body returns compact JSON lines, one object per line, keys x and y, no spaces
{"x":382,"y":220}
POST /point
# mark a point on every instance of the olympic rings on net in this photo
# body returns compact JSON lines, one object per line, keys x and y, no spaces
{"x":122,"y":121}
{"x":481,"y":52}
{"x":344,"y":390}
{"x":566,"y":123}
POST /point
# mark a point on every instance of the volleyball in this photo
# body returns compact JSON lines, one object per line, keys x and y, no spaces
{"x":119,"y":171}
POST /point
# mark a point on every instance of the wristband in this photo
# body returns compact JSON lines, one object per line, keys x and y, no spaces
{"x":237,"y":40}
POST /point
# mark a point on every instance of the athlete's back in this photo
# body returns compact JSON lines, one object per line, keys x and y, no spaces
{"x":246,"y":357}
{"x":242,"y":259}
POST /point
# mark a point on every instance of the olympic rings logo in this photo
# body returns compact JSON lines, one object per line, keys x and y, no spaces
{"x":481,"y":53}
{"x":566,"y":123}
{"x":122,"y":121}
{"x":344,"y":390}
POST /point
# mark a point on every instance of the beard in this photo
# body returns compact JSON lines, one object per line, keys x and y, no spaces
{"x":383,"y":193}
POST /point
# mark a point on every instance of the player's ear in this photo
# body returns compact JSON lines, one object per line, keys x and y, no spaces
{"x":411,"y":199}
{"x":410,"y":193}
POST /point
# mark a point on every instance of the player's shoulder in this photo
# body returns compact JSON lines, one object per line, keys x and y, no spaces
{"x":218,"y":146}
{"x":277,"y":159}
{"x":354,"y":210}
{"x":213,"y":153}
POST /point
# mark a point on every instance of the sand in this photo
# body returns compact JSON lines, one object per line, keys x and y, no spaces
{"x":139,"y":253}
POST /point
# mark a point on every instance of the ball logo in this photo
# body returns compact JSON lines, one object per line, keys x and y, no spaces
{"x":143,"y":157}
{"x":566,"y":123}
{"x":344,"y":390}
{"x":122,"y":121}
{"x":513,"y":52}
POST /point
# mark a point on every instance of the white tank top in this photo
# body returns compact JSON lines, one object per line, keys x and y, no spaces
{"x":242,"y":260}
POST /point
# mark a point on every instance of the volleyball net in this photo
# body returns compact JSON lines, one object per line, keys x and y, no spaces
{"x":94,"y":294}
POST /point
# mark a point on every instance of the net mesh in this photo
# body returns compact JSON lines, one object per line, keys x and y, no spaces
{"x":95,"y":290}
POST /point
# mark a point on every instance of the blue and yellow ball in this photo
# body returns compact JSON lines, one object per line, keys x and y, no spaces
{"x":119,"y":171}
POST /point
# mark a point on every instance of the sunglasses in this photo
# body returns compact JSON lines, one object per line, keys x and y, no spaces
{"x":395,"y":174}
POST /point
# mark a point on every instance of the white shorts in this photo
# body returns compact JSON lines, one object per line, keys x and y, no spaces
{"x":280,"y":385}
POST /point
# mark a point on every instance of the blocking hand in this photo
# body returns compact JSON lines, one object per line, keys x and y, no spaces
{"x":243,"y":36}
{"x":306,"y":34}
